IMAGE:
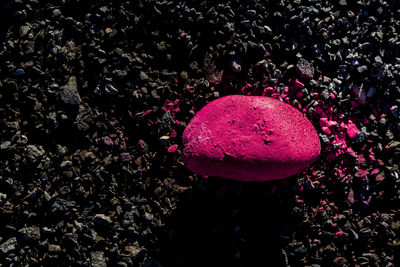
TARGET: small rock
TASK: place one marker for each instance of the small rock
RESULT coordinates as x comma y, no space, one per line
143,76
30,233
148,216
132,251
304,69
69,93
98,259
23,30
236,66
102,219
378,59
66,164
3,198
8,246
56,12
110,90
34,152
300,251
18,72
268,30
108,141
362,69
54,248
5,145
22,140
125,157
325,94
340,261
172,148
62,205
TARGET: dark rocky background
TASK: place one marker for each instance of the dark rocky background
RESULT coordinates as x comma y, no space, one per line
95,94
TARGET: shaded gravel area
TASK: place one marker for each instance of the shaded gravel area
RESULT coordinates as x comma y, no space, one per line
95,95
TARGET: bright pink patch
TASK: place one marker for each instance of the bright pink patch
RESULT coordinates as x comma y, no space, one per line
172,148
351,152
147,112
324,122
361,173
375,171
339,233
250,139
352,129
190,89
326,130
173,134
107,140
298,84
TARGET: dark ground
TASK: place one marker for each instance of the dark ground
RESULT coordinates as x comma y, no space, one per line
93,93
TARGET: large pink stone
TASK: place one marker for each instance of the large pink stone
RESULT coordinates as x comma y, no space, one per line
249,138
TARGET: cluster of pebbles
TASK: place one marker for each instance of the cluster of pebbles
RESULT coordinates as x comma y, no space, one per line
95,96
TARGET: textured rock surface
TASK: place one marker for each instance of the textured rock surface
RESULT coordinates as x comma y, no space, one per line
69,93
305,69
249,138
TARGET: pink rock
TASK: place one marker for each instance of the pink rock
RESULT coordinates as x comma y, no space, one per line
299,84
352,130
249,138
324,122
172,148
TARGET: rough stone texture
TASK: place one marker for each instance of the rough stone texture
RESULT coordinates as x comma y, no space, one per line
69,93
8,246
30,233
304,69
249,138
98,259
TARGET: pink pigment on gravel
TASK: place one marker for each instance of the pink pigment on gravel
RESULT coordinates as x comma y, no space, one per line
172,148
249,138
352,130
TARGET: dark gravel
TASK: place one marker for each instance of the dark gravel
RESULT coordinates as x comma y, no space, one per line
95,95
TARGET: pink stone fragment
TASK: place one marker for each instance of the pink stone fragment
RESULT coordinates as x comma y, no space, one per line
107,140
172,148
147,112
249,138
352,130
173,134
326,130
339,233
361,173
374,171
299,84
324,122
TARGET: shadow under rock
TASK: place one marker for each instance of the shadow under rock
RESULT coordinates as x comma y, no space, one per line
228,223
